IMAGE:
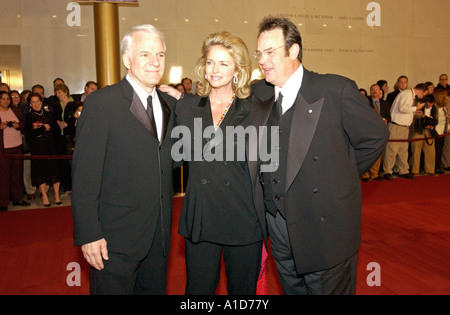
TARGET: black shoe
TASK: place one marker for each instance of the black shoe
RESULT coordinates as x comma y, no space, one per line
3,209
22,204
388,177
408,176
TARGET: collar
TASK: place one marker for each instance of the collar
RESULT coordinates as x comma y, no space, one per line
142,94
290,89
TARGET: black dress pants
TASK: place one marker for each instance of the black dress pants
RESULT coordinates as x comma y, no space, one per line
242,266
339,280
122,277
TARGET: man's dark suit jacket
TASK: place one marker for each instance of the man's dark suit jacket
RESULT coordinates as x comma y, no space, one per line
391,96
122,175
385,108
218,206
335,138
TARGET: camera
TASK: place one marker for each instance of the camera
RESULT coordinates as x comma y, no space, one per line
9,124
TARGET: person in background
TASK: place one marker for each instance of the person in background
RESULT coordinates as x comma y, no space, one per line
64,116
4,87
423,127
443,82
384,86
40,126
12,124
383,109
403,109
442,127
19,102
430,87
90,87
187,83
401,85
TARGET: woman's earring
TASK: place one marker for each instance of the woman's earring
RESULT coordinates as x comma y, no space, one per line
206,76
235,79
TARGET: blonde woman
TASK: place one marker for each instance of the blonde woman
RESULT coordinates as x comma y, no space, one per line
218,213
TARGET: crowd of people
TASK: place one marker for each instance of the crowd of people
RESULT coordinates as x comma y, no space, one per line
34,125
418,119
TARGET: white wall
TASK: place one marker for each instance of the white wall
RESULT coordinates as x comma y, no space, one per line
413,38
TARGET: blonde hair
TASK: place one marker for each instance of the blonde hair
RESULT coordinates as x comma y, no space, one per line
238,51
441,97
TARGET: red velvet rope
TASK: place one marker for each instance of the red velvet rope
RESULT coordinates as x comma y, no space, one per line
36,157
417,139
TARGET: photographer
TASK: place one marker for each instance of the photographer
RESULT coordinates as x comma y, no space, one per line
423,126
403,110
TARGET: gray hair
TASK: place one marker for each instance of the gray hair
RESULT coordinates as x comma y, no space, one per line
128,38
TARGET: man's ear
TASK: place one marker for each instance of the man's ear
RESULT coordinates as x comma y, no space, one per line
294,51
126,61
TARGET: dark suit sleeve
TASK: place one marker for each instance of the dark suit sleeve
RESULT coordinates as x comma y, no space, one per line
365,129
88,162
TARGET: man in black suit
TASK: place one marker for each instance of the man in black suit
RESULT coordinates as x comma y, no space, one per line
122,174
383,108
328,137
89,87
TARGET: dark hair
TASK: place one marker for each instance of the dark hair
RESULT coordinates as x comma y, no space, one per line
290,32
89,83
182,81
429,98
421,87
7,93
31,95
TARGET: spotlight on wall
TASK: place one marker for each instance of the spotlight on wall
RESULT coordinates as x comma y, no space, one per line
175,75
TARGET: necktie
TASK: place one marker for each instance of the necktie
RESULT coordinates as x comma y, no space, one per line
375,104
278,107
150,114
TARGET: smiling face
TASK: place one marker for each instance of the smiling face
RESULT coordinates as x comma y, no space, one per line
145,60
276,64
220,67
36,103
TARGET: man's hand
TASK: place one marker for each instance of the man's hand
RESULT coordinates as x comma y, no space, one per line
93,253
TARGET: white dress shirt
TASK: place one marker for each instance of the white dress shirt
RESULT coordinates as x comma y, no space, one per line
290,89
143,96
402,110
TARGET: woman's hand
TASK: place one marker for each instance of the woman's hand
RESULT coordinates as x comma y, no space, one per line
171,91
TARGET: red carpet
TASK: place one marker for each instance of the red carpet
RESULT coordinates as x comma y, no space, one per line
405,229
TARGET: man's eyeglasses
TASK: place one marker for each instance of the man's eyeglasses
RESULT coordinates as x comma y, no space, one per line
268,52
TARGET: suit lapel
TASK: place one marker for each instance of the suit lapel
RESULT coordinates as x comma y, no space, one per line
138,110
260,112
304,124
237,113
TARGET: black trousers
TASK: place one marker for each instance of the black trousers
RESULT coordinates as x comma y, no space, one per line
122,277
339,280
242,266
